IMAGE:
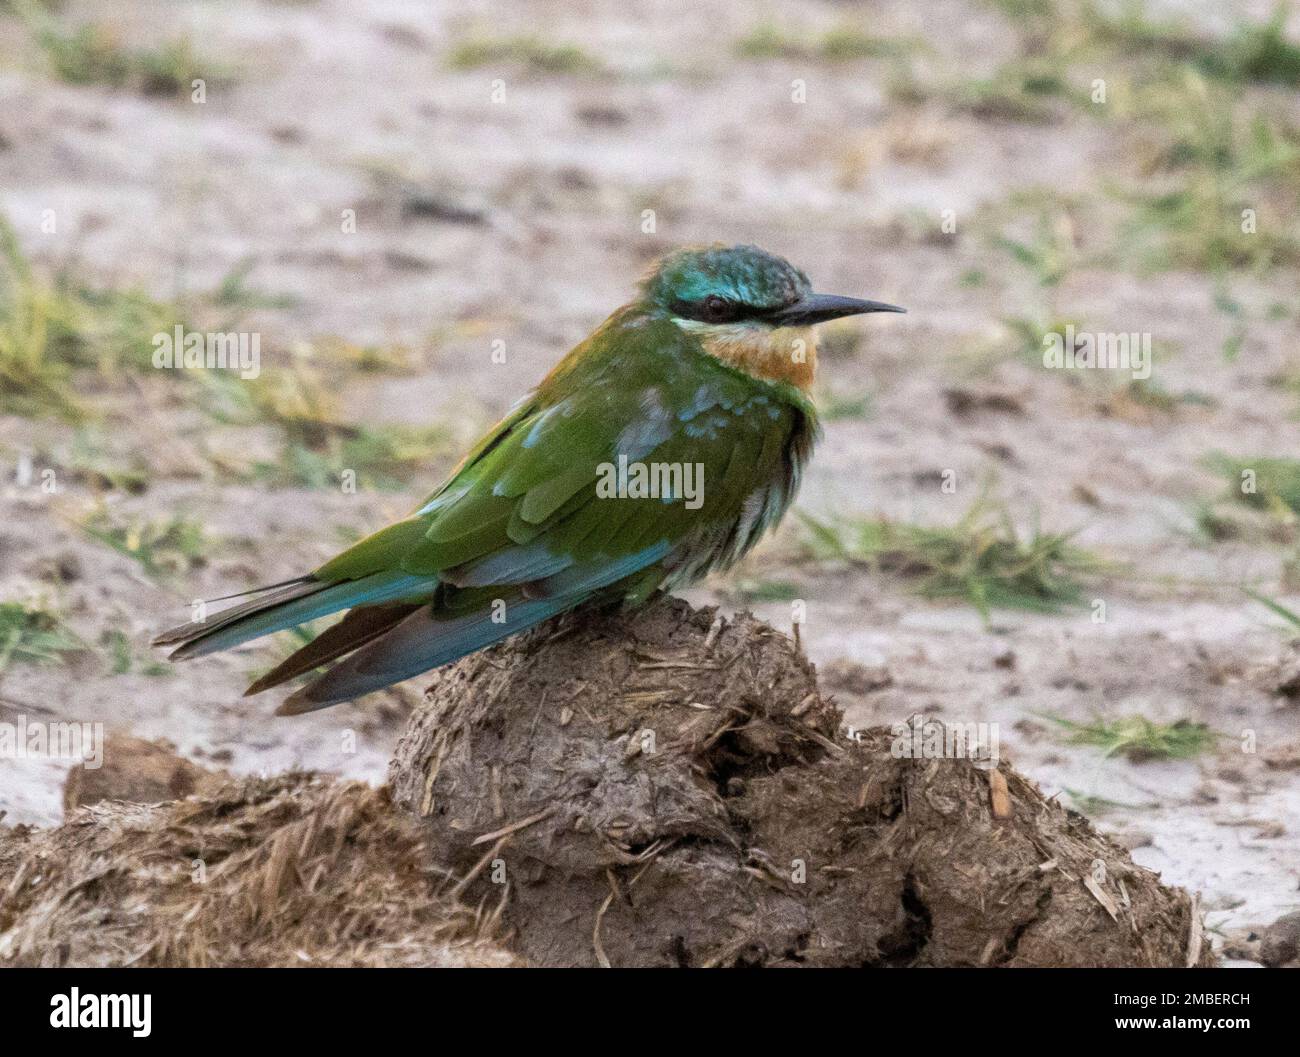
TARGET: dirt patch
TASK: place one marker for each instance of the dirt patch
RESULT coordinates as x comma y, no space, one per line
139,771
672,788
294,870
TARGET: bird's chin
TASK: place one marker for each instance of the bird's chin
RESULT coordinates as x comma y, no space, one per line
774,354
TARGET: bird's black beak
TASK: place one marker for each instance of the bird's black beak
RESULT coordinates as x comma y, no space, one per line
818,308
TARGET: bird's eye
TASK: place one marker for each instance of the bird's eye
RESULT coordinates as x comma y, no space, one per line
717,309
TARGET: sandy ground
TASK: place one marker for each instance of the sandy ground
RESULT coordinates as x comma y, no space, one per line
171,196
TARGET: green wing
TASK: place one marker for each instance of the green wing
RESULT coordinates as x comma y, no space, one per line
523,508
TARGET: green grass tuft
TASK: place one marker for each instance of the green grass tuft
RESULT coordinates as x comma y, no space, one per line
34,633
982,559
1093,805
1023,90
91,54
1269,483
846,44
1138,738
1213,160
843,44
770,42
1253,52
1260,53
533,54
234,291
318,447
167,547
124,660
836,406
1049,252
49,331
1214,526
34,377
382,457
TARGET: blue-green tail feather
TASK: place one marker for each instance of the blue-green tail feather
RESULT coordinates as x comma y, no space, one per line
302,602
428,638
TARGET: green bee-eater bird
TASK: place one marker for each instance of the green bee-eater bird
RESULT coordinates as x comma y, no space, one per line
662,447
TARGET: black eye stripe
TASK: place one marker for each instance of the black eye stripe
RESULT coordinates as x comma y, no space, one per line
706,311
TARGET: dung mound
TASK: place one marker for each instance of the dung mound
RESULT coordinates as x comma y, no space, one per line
294,870
672,788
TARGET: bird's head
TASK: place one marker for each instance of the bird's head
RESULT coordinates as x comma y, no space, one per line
749,308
